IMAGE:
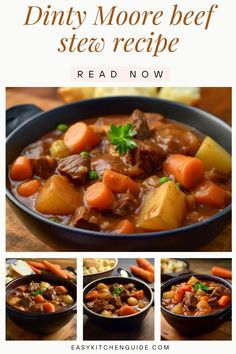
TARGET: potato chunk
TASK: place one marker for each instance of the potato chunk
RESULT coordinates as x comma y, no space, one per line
177,309
168,294
58,196
163,208
214,156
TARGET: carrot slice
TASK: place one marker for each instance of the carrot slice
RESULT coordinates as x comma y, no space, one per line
48,307
92,295
99,196
125,227
127,310
139,294
224,301
21,169
38,265
80,137
188,171
142,273
221,272
145,264
62,289
210,194
50,266
119,183
29,188
39,298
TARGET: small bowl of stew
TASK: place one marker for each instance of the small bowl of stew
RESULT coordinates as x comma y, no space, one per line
117,301
196,303
41,303
120,174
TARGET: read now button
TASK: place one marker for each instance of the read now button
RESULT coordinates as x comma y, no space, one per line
120,74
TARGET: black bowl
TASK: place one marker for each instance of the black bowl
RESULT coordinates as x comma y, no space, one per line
167,276
65,238
41,323
119,322
193,325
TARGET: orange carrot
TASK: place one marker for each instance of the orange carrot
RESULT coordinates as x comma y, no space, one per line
145,264
21,288
48,307
126,310
29,188
21,169
125,227
221,272
92,295
205,298
39,298
61,289
188,171
50,266
36,270
38,265
210,194
224,301
178,296
80,137
139,294
99,196
143,274
186,287
119,183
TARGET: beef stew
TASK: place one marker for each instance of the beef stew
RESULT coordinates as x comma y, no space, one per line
196,297
41,297
116,300
123,174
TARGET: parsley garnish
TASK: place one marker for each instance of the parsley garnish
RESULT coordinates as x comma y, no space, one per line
39,291
116,291
200,286
122,137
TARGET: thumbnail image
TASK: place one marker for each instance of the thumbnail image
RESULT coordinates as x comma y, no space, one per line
41,299
196,296
118,299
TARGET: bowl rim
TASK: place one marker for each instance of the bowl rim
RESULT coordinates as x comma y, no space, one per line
122,317
198,275
83,232
104,271
40,314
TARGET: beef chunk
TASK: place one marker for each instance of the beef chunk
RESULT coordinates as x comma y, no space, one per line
44,166
26,301
97,305
109,162
190,300
75,167
147,156
36,308
124,296
116,302
85,218
213,302
49,294
33,286
218,291
140,125
125,204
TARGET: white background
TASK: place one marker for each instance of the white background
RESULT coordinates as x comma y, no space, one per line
29,57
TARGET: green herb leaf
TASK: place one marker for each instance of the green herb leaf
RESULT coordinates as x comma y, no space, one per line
116,291
178,185
122,137
200,286
39,291
54,218
164,179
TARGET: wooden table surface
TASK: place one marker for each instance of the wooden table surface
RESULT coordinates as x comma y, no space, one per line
92,331
214,100
224,332
68,332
